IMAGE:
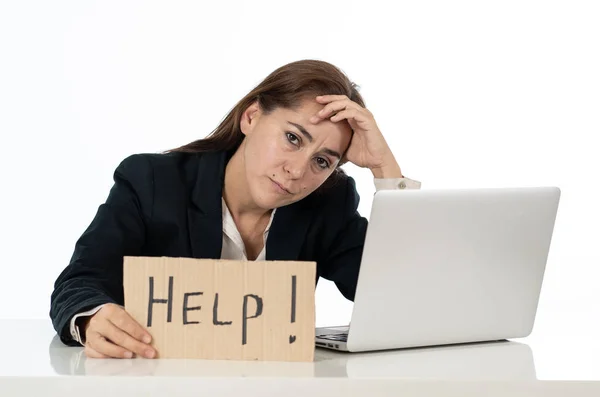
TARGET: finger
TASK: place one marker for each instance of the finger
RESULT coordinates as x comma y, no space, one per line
334,107
101,345
124,321
123,339
349,114
329,98
91,353
324,99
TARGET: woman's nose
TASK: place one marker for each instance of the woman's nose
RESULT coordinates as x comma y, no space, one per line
295,167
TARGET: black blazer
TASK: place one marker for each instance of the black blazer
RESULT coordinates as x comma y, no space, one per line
170,205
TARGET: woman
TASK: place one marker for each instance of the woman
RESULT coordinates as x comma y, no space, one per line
265,185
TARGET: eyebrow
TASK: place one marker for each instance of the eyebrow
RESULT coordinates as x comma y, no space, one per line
310,139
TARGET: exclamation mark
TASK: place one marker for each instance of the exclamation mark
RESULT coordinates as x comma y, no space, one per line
293,319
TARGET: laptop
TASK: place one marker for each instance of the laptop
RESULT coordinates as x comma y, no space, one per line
449,266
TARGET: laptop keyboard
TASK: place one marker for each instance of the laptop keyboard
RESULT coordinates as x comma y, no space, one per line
342,337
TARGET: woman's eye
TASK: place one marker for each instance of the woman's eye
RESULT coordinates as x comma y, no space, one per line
292,138
321,162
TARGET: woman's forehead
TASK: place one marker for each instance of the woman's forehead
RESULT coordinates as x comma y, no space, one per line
305,109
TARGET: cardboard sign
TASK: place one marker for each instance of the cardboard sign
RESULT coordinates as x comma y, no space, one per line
223,309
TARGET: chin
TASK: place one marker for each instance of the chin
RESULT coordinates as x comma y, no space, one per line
267,204
264,196
270,201
264,200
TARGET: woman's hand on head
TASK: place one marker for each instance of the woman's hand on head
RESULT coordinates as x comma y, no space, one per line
368,148
113,333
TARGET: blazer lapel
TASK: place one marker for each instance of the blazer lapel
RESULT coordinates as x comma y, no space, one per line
288,232
205,219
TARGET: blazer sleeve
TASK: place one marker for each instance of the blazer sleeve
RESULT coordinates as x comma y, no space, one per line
342,261
95,273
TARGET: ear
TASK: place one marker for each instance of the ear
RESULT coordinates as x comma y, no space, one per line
249,118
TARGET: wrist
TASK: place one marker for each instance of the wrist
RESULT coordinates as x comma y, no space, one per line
388,169
82,323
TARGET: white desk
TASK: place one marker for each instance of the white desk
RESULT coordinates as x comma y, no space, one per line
33,360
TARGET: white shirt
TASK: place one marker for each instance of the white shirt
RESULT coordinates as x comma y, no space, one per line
233,246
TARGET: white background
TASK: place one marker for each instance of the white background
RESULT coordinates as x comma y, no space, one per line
468,94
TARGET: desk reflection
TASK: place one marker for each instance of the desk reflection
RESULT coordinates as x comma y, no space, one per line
504,360
501,360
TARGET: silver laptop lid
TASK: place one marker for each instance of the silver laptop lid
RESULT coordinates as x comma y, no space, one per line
452,266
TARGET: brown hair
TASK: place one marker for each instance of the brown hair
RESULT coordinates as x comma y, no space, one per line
286,87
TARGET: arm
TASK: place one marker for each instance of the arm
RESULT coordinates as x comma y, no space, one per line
341,263
396,183
94,275
77,321
389,176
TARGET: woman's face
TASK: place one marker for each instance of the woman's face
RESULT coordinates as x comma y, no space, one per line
286,156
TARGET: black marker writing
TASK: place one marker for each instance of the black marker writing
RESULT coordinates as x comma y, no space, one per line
215,313
293,319
259,306
186,308
152,301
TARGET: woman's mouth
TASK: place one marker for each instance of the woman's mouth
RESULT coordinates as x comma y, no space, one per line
280,188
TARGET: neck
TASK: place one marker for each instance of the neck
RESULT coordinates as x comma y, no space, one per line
236,192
